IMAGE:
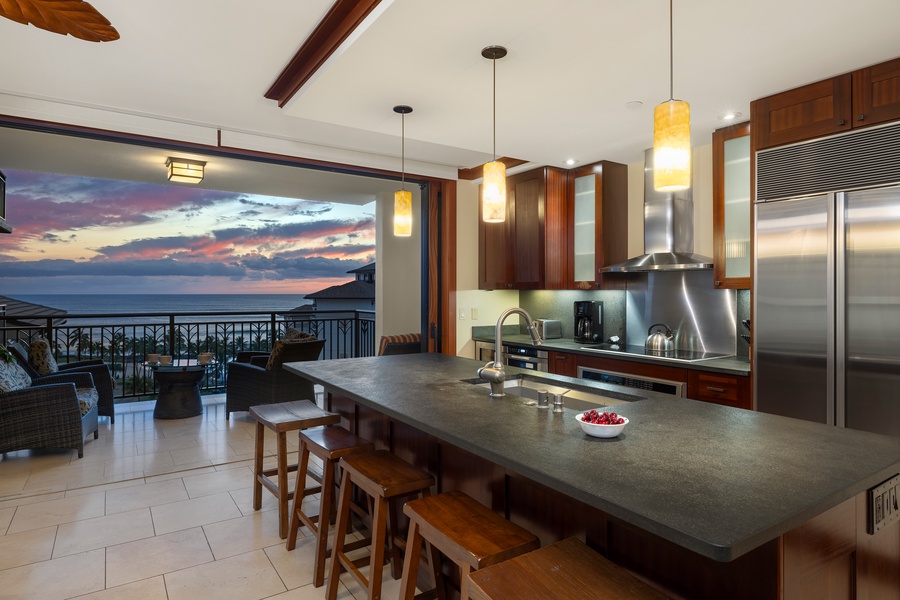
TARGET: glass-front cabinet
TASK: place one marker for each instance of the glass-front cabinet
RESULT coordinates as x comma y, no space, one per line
598,221
732,206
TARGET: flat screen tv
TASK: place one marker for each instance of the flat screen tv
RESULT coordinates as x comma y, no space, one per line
4,226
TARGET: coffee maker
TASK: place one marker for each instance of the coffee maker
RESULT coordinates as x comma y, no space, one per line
588,321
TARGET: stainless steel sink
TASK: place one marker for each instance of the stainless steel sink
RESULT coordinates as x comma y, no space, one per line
527,387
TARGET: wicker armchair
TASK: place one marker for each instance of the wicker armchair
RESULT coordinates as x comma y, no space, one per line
405,343
98,369
254,379
47,415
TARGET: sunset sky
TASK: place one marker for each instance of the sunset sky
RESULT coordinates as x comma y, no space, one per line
79,235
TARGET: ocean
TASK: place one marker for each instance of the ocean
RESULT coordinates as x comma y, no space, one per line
116,304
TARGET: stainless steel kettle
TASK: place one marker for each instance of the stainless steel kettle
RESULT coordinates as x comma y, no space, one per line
658,342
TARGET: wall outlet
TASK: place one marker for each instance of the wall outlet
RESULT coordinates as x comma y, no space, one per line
474,314
462,314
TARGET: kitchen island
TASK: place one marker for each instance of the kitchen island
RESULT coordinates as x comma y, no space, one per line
705,501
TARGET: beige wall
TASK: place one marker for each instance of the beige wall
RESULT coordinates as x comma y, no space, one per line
489,305
398,272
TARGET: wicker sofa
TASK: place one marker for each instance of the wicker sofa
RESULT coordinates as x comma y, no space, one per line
47,414
98,369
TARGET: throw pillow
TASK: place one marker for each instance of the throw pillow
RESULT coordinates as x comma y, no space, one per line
13,377
295,335
41,357
277,349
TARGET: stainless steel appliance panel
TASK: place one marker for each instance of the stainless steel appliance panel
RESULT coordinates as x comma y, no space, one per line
869,398
791,331
662,386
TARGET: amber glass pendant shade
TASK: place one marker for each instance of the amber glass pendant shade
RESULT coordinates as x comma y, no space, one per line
672,146
493,193
402,213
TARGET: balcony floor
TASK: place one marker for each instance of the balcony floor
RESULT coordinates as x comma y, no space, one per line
154,510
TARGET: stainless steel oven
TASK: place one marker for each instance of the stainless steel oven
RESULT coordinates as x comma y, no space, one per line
523,357
663,386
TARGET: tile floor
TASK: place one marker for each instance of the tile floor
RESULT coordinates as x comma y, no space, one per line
155,510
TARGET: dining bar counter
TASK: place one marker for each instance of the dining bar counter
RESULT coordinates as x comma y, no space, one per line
717,481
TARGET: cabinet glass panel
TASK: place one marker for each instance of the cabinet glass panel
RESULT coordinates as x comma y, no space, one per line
737,207
583,243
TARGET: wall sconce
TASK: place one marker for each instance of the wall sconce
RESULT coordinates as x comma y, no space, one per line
403,197
493,186
185,170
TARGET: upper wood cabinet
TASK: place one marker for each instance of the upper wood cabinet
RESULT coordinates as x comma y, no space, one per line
732,172
597,222
865,97
529,249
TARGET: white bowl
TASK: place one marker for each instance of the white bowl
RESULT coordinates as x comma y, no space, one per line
601,431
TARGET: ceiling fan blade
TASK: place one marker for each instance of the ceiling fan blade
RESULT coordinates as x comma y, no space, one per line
67,17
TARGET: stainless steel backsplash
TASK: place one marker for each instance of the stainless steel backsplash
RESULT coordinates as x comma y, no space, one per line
702,317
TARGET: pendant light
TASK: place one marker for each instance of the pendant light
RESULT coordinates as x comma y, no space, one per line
402,197
493,186
671,137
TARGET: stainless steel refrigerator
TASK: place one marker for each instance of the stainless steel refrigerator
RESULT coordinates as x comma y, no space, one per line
826,322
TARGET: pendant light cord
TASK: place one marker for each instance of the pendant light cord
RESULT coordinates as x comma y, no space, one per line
671,57
494,61
403,151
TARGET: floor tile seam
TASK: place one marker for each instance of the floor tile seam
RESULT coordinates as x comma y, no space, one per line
37,562
274,568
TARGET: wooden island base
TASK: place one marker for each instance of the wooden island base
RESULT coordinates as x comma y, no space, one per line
830,557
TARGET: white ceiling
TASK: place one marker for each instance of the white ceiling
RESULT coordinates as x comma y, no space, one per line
186,70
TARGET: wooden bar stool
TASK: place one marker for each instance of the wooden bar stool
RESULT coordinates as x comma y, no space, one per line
385,478
463,530
281,418
329,444
562,571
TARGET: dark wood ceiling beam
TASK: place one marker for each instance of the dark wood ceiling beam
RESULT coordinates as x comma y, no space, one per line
476,172
342,19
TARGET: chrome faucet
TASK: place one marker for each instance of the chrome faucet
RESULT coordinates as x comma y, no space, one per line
493,371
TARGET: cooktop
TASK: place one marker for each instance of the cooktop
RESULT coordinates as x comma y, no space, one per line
675,355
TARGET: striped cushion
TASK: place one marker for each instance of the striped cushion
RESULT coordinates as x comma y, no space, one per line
405,338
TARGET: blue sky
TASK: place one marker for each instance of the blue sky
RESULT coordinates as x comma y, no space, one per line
81,235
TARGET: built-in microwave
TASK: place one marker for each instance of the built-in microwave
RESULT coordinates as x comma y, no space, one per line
662,386
523,357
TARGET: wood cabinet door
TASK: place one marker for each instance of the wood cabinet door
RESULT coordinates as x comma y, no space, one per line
494,251
526,218
597,224
803,113
563,363
720,388
876,94
732,207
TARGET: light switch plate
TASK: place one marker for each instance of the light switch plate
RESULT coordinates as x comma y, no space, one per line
462,314
883,504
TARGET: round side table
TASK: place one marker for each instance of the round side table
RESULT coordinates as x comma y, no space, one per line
179,391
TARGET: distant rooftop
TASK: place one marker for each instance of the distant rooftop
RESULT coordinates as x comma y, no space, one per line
350,290
16,308
369,268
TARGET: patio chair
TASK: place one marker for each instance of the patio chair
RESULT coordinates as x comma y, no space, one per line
256,378
405,343
98,369
56,411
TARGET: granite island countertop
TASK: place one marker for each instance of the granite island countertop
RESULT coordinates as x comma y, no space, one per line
716,480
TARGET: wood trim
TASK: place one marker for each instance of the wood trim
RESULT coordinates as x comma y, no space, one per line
448,267
474,173
341,20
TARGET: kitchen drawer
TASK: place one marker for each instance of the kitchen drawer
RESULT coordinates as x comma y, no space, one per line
729,390
563,363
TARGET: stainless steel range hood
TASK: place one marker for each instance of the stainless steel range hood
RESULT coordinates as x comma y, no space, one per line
668,231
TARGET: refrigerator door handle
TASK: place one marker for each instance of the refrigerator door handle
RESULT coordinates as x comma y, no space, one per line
837,335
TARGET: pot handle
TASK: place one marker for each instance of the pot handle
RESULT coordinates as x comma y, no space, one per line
663,325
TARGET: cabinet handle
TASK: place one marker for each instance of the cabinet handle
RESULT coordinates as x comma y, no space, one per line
718,283
841,121
715,389
562,358
860,117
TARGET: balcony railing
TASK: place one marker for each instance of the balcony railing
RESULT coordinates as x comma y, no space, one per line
123,341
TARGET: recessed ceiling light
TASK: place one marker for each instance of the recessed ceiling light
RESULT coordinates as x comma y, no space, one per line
571,162
729,116
634,104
